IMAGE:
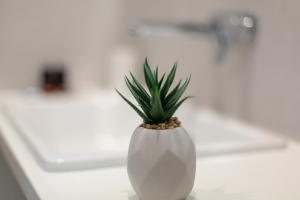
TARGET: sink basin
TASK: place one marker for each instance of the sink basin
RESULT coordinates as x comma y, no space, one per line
66,132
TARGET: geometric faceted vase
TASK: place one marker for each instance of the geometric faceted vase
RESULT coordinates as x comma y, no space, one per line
161,164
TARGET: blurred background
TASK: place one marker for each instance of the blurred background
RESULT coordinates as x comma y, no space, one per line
90,38
257,82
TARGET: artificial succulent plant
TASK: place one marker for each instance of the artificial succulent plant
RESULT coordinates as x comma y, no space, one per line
158,103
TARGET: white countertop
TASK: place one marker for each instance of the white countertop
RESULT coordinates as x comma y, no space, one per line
261,175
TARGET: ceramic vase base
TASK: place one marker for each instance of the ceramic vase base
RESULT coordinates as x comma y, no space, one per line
161,164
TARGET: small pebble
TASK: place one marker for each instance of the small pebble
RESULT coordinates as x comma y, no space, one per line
171,123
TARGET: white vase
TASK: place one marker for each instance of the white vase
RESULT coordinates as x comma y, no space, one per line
161,164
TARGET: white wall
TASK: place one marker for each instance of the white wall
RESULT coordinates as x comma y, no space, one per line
33,32
259,84
83,33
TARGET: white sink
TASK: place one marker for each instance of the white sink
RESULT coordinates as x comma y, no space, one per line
79,132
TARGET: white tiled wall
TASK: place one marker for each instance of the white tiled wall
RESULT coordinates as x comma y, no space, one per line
259,84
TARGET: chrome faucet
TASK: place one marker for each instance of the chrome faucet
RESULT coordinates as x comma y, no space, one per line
228,29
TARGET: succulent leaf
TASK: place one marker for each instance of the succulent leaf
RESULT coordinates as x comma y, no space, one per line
137,95
168,82
140,87
179,92
156,111
173,109
161,81
172,93
140,113
150,81
156,74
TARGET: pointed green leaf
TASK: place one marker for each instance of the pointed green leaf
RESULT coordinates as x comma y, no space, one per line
140,113
139,93
135,93
161,81
157,111
171,112
168,82
149,78
141,88
156,75
172,93
178,94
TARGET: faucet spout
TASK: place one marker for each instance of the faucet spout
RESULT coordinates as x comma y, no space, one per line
228,29
148,27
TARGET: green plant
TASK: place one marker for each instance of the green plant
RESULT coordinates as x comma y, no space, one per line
160,102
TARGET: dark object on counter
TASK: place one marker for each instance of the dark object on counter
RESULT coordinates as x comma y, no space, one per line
54,78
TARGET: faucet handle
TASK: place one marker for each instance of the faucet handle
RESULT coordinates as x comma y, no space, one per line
233,28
